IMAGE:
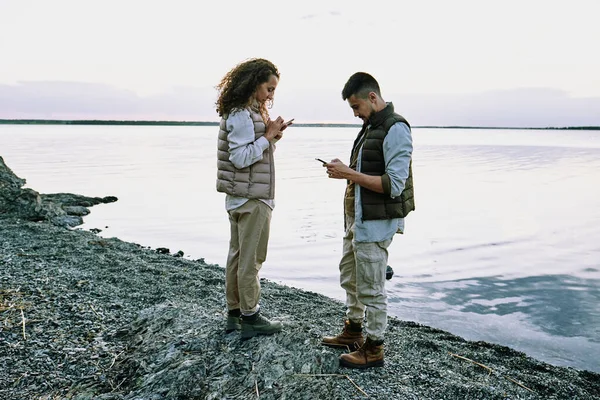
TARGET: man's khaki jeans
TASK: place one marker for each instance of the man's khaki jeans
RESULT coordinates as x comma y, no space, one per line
362,276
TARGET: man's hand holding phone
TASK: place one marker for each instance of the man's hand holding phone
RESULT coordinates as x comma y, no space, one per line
336,169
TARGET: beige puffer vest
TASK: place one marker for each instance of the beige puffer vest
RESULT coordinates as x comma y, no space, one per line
254,182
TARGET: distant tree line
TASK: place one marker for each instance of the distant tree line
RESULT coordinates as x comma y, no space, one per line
101,122
583,128
117,122
210,123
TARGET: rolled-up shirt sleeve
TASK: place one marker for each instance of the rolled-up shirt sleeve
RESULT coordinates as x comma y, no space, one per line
397,153
244,149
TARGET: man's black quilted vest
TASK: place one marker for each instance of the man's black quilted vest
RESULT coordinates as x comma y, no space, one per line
378,205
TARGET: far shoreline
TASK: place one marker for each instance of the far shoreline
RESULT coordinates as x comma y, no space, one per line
301,125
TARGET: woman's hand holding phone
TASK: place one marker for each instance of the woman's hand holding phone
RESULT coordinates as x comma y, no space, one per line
274,129
286,124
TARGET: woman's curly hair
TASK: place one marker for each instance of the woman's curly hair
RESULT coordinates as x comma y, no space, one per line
238,85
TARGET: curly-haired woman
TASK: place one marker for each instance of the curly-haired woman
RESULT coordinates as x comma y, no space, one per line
246,173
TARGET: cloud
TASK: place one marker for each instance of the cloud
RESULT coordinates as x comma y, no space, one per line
319,15
526,107
76,100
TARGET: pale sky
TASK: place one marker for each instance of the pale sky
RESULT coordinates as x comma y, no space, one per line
440,62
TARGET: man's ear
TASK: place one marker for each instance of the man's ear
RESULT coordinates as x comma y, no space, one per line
373,97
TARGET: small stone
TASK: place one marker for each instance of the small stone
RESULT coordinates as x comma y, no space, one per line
305,369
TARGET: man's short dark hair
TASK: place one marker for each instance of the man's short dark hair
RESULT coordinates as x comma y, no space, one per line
359,85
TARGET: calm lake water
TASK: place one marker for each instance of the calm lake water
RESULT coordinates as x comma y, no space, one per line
504,245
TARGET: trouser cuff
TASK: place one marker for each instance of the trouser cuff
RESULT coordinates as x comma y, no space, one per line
234,313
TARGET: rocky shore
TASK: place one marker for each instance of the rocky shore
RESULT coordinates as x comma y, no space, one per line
84,317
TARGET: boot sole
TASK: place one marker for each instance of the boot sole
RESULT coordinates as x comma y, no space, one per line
351,347
373,364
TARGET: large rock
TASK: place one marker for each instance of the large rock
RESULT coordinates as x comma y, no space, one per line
10,187
62,209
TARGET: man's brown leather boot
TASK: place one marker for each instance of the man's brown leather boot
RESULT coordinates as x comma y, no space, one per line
369,355
350,337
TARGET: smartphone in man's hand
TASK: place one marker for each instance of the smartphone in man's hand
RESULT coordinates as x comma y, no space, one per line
324,162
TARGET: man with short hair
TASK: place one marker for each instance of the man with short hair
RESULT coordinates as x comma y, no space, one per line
379,194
